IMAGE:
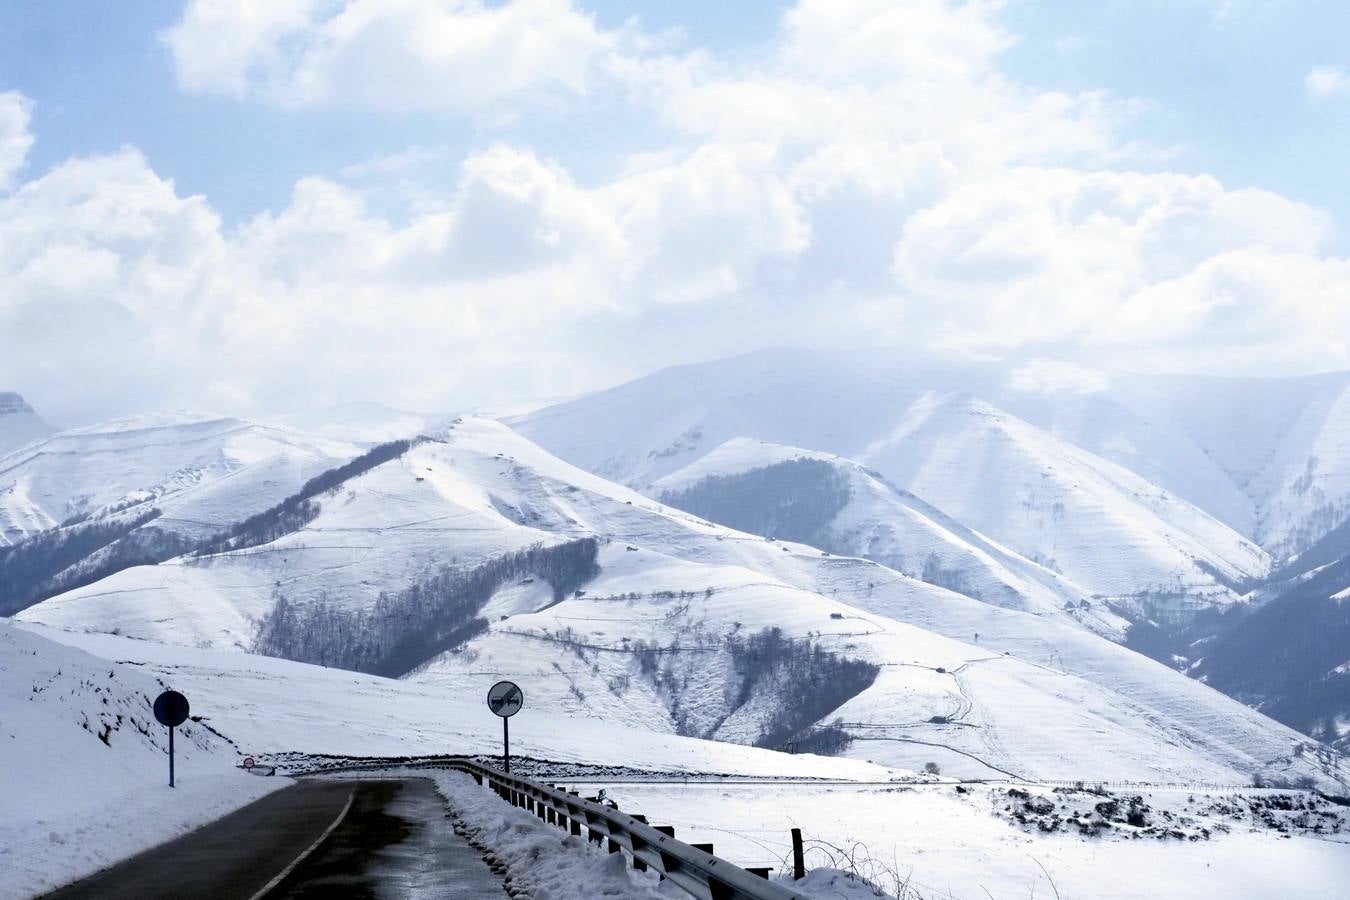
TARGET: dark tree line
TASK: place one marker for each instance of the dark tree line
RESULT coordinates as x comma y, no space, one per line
809,681
794,500
145,546
1286,656
299,509
405,629
805,680
27,569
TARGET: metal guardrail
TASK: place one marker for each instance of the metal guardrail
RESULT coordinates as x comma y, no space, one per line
697,872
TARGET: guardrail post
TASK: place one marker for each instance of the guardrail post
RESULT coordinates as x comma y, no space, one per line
576,827
638,864
706,848
668,831
798,856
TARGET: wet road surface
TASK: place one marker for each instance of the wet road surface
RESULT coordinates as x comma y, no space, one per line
395,842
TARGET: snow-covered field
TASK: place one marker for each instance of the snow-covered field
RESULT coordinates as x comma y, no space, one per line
939,839
939,843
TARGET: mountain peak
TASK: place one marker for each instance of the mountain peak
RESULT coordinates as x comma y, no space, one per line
14,404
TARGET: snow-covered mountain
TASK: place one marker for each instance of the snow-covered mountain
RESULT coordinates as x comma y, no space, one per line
1284,441
1097,523
363,422
1090,517
477,553
1269,458
1287,650
843,507
19,423
202,472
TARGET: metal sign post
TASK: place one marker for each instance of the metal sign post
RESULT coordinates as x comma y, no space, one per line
505,699
171,709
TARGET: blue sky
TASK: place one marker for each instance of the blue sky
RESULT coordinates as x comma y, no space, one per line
599,188
1224,84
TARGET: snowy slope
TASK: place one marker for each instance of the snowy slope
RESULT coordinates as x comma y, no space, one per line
1097,523
86,765
19,423
1284,441
872,518
930,833
1267,457
363,422
1066,704
483,490
203,472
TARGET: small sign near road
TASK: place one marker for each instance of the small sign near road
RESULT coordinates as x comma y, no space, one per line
171,710
248,762
505,699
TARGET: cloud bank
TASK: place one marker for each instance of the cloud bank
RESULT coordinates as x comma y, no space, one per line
872,178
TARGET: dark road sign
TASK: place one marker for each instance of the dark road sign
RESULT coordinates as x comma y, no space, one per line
171,709
505,699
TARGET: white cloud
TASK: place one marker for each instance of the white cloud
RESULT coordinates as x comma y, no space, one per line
1154,266
444,55
15,138
872,175
1327,81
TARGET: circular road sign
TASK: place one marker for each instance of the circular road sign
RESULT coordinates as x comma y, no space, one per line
171,709
248,762
505,699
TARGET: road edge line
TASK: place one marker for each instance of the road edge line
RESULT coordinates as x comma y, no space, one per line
271,885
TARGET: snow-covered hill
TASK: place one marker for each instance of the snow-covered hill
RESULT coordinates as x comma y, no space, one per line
203,472
86,765
848,509
19,423
363,422
1097,523
667,635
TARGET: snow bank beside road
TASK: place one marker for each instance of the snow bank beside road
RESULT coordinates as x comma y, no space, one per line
86,773
550,864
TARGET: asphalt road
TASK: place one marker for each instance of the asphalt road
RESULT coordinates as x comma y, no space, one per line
394,842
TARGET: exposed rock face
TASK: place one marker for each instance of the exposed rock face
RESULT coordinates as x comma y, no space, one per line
19,423
14,404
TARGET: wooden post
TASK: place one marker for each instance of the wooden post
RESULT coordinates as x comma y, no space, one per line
706,848
798,856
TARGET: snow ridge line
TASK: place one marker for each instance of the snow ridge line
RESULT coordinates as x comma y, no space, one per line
304,854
